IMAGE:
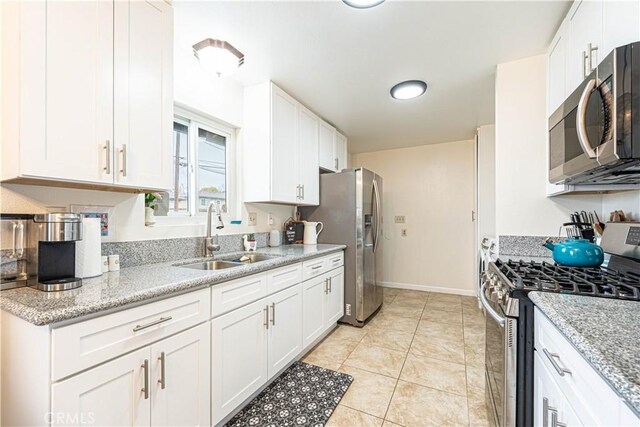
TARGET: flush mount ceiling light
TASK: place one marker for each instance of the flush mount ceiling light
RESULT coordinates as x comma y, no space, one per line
409,89
218,56
362,4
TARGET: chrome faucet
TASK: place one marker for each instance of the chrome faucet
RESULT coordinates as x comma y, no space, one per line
209,246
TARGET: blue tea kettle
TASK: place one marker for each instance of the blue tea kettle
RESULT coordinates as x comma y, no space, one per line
576,252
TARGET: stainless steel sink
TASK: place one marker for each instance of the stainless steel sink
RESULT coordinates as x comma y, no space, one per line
251,258
212,265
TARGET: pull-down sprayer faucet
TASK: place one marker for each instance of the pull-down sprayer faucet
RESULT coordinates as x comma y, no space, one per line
209,246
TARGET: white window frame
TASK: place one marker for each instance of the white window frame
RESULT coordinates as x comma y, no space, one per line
195,120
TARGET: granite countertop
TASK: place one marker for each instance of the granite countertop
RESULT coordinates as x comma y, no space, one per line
135,284
605,332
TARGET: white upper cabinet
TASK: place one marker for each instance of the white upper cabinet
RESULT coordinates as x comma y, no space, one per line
620,24
308,132
92,99
585,45
143,93
283,142
326,146
557,69
340,152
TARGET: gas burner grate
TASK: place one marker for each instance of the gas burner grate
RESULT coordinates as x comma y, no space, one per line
543,276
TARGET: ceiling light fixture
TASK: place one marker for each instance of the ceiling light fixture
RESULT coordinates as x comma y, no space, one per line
218,56
362,4
409,89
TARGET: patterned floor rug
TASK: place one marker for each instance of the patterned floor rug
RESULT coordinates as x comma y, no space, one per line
303,395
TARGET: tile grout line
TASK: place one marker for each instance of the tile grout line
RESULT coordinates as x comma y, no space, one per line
405,361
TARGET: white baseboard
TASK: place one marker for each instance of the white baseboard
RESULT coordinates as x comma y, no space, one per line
439,289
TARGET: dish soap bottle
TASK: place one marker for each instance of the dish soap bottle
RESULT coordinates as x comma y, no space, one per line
249,241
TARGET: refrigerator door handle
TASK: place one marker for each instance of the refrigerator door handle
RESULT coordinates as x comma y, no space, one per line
377,196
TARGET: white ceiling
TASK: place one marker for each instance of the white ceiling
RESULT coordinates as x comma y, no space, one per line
341,62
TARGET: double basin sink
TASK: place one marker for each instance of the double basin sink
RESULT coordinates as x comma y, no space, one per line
236,261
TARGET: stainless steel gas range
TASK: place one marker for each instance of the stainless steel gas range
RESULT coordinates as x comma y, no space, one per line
509,372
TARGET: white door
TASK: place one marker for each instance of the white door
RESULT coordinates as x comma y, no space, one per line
585,27
285,327
112,394
334,298
326,155
143,87
308,157
620,24
181,379
340,152
313,291
549,401
77,69
557,67
284,148
238,357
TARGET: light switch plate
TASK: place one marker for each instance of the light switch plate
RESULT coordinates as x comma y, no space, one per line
400,219
253,218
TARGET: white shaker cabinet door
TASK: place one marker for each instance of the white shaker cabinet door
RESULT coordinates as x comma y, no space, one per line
114,394
334,298
238,357
557,68
326,155
285,328
620,24
143,93
284,149
585,28
181,379
313,292
340,152
70,72
308,124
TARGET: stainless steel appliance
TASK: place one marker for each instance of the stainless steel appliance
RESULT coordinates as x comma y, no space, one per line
594,136
17,268
351,210
509,348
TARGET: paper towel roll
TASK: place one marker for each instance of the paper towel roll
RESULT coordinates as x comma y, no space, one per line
89,249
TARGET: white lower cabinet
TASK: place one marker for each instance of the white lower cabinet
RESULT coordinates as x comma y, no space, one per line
334,298
323,302
285,328
146,387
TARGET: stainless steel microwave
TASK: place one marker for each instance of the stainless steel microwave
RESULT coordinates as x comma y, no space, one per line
594,137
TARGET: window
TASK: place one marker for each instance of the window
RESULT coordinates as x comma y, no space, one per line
202,150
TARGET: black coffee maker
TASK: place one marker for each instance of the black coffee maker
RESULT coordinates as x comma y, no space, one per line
56,235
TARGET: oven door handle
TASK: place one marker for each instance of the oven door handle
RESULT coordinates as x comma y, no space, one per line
581,119
490,310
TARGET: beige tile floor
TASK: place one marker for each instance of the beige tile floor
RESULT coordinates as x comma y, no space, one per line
418,362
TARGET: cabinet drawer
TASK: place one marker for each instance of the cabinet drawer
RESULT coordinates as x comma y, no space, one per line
591,397
283,277
236,293
313,268
335,260
85,344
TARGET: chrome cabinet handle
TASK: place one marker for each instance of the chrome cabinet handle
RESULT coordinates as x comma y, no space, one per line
302,192
145,388
150,324
266,317
273,313
326,286
330,283
107,165
163,378
123,150
545,412
316,267
581,118
584,65
336,162
554,419
592,49
552,358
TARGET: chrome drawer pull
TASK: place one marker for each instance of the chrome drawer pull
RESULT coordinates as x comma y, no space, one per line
163,378
273,313
266,317
552,358
316,267
150,324
554,419
145,389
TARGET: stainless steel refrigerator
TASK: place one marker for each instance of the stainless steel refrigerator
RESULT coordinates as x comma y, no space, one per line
351,211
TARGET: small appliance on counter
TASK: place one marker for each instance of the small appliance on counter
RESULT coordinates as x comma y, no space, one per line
40,251
509,323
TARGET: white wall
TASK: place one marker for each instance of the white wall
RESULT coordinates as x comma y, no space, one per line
486,181
628,201
433,187
522,207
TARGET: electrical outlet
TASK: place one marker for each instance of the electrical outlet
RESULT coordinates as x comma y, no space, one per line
270,218
399,219
253,219
403,232
347,309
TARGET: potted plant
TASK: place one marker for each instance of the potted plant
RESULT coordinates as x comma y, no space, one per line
150,203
